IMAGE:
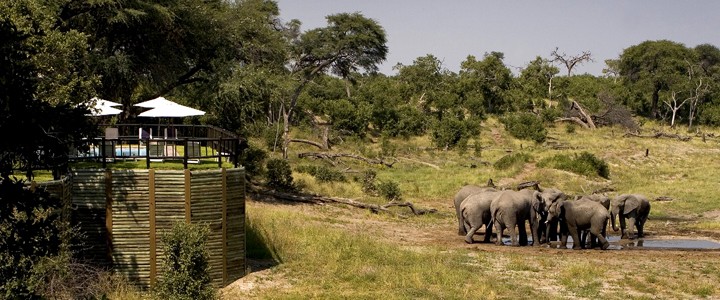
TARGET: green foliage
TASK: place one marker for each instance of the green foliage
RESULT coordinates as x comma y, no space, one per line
488,79
322,173
253,160
368,182
389,190
451,132
570,128
185,271
279,175
512,160
584,164
31,230
525,125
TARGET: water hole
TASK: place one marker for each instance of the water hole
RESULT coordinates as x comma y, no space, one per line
646,243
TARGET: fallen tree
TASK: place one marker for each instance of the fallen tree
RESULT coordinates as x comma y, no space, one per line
660,134
319,199
333,156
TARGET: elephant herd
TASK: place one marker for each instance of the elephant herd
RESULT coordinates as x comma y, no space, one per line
550,215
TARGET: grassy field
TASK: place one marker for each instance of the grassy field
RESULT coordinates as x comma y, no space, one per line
303,251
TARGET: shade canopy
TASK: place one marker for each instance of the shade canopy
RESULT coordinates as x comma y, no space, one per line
164,108
103,107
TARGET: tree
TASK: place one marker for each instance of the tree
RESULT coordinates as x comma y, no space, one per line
570,61
42,130
349,43
651,67
536,78
488,79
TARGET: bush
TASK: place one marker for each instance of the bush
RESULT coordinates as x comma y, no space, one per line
584,164
368,182
452,132
279,175
253,158
31,231
511,160
525,126
389,190
322,173
185,272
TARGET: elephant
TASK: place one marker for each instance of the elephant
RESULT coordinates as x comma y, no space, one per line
513,208
583,214
463,193
605,202
633,207
548,229
475,212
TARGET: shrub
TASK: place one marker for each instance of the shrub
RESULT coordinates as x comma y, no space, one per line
322,173
570,128
279,175
368,182
511,160
525,126
452,132
253,158
31,231
389,190
584,164
185,272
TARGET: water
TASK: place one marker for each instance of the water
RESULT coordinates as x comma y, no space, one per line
647,243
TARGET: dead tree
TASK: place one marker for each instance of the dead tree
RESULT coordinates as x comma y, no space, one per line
570,61
333,156
584,119
674,106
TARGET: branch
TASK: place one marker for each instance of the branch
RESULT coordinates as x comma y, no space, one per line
332,156
572,119
660,135
309,142
587,117
318,199
186,78
421,162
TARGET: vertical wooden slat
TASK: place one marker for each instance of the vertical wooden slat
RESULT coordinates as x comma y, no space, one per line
153,249
108,215
224,226
188,207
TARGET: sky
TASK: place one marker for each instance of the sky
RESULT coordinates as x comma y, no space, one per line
521,29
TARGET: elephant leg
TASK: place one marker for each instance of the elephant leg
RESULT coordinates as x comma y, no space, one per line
499,229
583,237
522,233
513,235
597,233
623,227
577,243
488,232
640,225
470,233
631,228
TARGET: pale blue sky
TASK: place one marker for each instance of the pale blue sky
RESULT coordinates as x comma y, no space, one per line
452,30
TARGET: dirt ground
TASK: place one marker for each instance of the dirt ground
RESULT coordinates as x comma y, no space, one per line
418,235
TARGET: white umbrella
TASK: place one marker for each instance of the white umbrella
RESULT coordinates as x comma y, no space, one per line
103,108
164,108
172,110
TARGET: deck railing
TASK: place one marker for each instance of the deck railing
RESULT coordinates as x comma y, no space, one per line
186,143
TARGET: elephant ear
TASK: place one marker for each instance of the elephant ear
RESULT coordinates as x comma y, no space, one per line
537,200
631,203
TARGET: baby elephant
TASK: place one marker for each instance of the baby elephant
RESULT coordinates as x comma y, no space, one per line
575,216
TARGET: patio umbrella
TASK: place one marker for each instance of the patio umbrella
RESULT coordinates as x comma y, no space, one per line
164,108
103,107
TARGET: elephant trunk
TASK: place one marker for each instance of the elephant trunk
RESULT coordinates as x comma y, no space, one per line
612,217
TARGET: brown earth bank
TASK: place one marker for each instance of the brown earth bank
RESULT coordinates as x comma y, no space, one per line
440,233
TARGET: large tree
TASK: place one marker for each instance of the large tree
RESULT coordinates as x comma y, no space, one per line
487,80
652,67
350,43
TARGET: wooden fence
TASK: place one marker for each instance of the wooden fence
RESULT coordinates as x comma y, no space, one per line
123,213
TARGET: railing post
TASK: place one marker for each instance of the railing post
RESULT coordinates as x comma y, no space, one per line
102,153
147,152
220,153
185,155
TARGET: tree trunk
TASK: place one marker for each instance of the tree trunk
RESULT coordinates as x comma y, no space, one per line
286,133
654,104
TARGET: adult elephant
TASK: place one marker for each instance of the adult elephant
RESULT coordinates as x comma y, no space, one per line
633,207
605,202
475,213
578,215
463,193
548,229
512,208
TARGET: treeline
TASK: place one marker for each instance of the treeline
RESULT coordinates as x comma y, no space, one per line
257,74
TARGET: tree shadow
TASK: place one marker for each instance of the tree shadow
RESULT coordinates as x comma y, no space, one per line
261,254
